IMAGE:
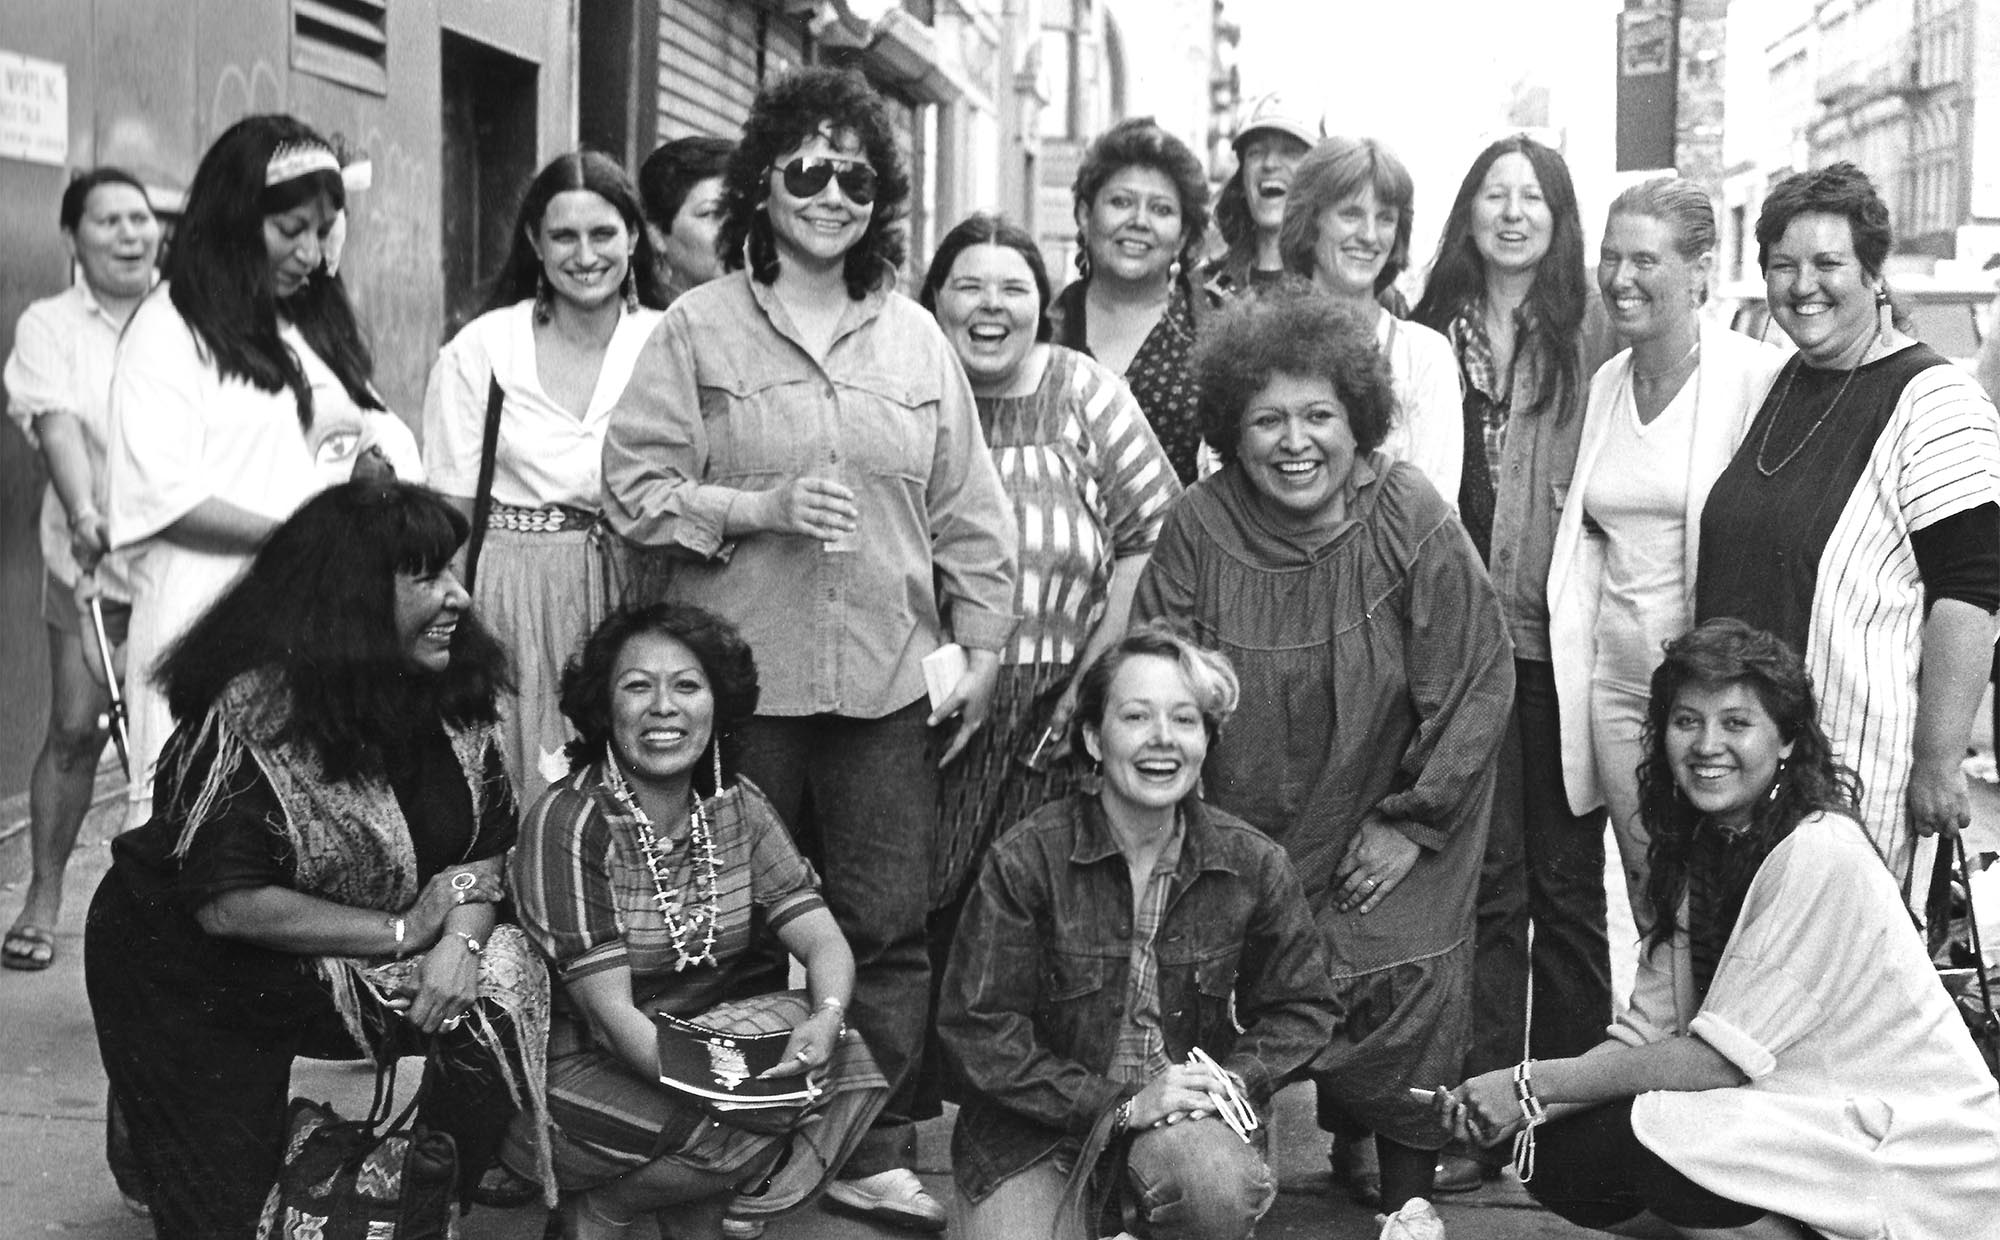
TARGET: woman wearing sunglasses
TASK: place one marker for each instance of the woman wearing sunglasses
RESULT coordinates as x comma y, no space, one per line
802,438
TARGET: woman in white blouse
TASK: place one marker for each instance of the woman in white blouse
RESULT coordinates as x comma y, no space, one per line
1664,417
243,387
578,297
1347,229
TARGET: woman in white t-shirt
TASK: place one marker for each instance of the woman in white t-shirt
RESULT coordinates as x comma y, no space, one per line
1664,417
242,388
578,297
1347,229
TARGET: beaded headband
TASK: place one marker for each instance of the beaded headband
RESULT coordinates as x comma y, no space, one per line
292,160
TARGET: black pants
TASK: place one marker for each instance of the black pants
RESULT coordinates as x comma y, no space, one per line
1592,1170
1545,865
203,1086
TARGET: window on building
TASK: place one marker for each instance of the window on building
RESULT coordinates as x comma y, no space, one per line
345,41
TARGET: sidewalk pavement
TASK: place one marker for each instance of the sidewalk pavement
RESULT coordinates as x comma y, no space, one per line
53,1181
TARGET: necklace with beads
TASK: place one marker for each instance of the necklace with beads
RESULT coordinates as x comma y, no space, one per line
1764,444
700,922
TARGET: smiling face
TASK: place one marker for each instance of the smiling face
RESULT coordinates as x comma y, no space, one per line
989,308
1268,158
295,241
1356,237
1133,227
662,708
116,241
1152,741
428,606
585,248
1647,286
1512,225
817,232
1819,292
1723,748
689,249
1295,446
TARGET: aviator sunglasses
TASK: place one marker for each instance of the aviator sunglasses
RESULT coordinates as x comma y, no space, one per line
807,175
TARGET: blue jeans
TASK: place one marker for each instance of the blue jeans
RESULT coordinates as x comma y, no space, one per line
1545,865
1196,1180
860,798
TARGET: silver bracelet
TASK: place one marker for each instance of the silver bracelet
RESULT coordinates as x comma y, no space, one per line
401,929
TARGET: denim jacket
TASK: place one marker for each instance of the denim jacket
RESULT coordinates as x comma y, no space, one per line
1035,992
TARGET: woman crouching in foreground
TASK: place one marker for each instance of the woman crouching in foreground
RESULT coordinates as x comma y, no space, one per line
1789,1060
652,888
321,870
1110,936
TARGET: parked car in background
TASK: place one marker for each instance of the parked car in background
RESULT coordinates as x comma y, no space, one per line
1950,314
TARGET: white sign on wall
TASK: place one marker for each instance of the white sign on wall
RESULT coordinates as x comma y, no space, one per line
34,110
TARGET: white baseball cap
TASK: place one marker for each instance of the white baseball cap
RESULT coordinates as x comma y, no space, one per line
1274,111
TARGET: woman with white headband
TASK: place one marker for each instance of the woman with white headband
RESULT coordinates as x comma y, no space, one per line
243,387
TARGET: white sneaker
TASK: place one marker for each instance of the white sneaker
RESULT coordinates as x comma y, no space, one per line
1415,1221
896,1197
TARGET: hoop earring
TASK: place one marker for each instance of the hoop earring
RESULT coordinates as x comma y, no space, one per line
629,288
545,295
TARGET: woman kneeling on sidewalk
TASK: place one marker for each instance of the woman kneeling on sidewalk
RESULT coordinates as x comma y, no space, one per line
1115,945
1789,1066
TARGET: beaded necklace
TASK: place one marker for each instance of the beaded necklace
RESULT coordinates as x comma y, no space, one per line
666,895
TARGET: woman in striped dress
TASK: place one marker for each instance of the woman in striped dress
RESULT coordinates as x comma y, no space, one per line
1858,520
1089,483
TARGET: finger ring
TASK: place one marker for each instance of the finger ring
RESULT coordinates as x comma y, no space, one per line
802,1057
458,897
450,1023
1373,884
464,880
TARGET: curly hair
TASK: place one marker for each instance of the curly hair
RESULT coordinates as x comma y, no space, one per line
1331,173
1140,142
219,271
599,174
585,695
1556,302
839,105
318,608
1726,651
672,171
1208,674
1838,189
985,228
1291,330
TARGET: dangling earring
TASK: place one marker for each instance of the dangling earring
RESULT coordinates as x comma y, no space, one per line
1885,316
545,296
715,749
1777,782
630,289
1174,272
1082,255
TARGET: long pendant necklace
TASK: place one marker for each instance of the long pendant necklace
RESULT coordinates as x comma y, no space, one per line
667,896
1764,444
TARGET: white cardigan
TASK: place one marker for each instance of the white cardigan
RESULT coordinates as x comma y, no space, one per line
1730,383
1869,1114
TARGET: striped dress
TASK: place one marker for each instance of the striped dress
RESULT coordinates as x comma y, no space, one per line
1089,484
1819,550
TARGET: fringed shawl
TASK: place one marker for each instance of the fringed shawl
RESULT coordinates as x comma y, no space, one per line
352,846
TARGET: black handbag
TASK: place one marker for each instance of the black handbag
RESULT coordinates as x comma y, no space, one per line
362,1179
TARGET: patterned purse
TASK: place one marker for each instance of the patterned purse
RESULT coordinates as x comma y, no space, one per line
359,1180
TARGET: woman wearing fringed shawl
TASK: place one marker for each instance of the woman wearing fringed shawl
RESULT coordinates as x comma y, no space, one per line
321,870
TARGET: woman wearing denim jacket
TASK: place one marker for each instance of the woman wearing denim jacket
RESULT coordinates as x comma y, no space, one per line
1181,928
802,439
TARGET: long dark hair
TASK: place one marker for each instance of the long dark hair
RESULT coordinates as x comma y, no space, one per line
1727,651
837,102
724,656
585,170
1556,301
317,610
219,271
